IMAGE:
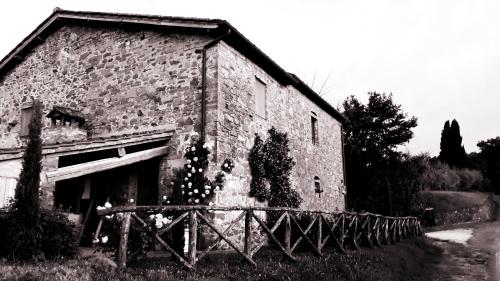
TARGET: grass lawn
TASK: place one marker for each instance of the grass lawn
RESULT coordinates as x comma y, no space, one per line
413,259
452,200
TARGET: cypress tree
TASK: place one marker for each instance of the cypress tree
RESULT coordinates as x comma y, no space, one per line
444,154
457,151
452,151
26,206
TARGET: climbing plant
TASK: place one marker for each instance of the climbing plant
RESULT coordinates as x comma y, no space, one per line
271,168
195,188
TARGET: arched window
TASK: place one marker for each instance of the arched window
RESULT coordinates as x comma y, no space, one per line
317,186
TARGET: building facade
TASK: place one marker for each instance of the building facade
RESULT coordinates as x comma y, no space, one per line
122,93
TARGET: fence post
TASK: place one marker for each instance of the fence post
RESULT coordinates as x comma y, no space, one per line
122,250
288,233
248,233
193,236
319,239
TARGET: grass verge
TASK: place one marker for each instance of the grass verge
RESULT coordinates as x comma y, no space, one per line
410,260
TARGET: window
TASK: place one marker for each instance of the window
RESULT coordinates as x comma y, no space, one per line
7,190
314,128
26,114
260,98
317,186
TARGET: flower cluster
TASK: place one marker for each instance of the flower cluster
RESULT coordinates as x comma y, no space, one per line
227,166
103,239
195,187
107,205
159,220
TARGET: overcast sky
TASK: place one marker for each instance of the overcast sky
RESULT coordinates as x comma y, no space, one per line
439,58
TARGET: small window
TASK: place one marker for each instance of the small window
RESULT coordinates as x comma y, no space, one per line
260,98
314,128
26,115
7,190
317,186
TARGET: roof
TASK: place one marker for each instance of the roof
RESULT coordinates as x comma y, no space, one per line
64,111
93,144
211,26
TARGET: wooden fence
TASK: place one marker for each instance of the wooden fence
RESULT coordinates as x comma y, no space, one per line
341,230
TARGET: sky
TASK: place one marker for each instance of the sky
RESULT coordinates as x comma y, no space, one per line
439,59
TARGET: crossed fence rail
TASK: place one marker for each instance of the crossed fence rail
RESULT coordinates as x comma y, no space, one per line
338,229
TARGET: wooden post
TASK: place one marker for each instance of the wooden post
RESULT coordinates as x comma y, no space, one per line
319,239
193,236
248,233
288,234
122,250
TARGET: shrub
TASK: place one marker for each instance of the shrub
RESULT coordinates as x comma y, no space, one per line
55,234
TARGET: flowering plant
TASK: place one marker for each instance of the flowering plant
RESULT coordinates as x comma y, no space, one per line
195,187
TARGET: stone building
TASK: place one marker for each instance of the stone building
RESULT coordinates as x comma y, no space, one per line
122,93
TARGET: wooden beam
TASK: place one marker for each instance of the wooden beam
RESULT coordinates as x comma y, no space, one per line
104,164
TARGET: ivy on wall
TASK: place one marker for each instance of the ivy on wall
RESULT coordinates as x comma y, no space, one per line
271,167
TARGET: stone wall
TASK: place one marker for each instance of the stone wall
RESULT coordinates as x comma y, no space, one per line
484,211
289,111
121,80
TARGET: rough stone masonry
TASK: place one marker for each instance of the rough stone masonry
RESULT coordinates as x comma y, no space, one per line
132,78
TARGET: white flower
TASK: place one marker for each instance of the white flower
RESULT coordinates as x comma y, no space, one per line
159,216
109,217
205,145
189,200
107,205
159,224
190,184
131,200
195,190
183,192
95,241
190,193
168,201
186,179
200,170
196,201
225,165
207,191
193,148
164,197
182,186
217,188
189,161
210,203
172,183
193,170
207,187
189,175
189,166
100,208
104,239
195,159
203,195
151,217
165,221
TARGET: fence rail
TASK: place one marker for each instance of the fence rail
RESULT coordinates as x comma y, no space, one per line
341,230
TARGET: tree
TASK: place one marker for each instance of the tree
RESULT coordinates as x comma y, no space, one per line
372,138
444,154
490,152
452,151
26,206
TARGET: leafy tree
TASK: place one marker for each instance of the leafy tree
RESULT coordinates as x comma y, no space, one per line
452,151
490,152
372,138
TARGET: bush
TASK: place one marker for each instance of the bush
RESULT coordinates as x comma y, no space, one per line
55,234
